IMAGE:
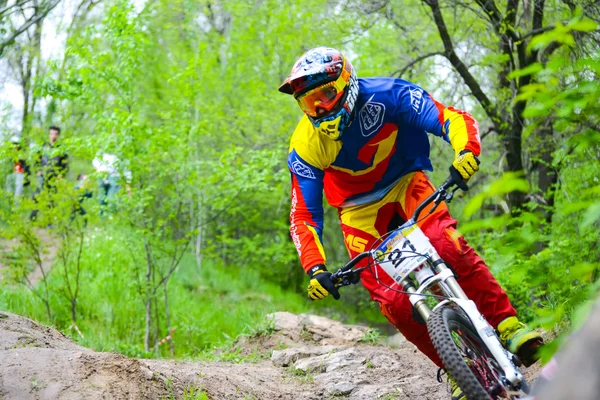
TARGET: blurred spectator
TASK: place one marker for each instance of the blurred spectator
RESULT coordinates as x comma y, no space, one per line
82,186
52,165
18,178
111,171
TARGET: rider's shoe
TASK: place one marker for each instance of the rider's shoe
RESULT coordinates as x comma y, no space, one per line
520,340
455,391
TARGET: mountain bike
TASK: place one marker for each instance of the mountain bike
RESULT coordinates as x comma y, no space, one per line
466,343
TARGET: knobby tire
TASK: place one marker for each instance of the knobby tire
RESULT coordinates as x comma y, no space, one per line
456,366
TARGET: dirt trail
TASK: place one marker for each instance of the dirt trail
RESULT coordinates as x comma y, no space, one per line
305,357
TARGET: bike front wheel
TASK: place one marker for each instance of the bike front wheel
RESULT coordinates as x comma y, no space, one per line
466,357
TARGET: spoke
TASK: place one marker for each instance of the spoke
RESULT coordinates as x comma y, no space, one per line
481,364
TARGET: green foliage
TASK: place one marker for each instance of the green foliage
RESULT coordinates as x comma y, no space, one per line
189,393
550,265
508,183
562,33
301,375
209,308
185,93
263,328
194,394
373,336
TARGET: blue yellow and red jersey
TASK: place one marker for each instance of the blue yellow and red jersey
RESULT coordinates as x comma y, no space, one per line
386,140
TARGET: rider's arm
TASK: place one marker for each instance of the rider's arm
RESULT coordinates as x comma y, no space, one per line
306,216
419,109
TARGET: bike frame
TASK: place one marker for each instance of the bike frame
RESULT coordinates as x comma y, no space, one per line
445,280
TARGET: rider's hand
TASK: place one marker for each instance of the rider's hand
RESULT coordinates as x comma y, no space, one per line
320,283
466,164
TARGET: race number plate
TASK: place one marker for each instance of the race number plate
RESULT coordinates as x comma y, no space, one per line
403,252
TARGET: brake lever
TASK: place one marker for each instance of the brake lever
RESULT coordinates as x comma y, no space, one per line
340,282
347,278
450,195
343,281
337,282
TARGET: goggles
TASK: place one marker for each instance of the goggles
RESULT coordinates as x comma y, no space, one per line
325,96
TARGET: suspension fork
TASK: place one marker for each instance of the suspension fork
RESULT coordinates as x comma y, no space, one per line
483,328
444,278
448,278
417,300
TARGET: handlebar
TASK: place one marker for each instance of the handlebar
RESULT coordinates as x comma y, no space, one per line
350,264
436,196
346,276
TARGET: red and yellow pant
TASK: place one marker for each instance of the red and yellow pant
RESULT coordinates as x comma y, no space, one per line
363,224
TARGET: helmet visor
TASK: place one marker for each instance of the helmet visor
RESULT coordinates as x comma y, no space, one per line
324,97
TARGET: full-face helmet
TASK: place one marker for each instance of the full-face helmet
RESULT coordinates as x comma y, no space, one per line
324,84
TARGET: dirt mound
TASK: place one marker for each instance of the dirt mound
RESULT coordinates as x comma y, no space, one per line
38,362
306,357
19,332
290,330
302,357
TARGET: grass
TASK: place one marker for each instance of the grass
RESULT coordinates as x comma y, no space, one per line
233,354
302,376
194,394
189,393
210,306
373,337
264,327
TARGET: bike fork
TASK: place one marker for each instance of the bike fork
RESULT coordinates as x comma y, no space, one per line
483,328
445,278
491,341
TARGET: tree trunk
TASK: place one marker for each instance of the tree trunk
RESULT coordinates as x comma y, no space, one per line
29,72
74,309
548,175
198,244
148,329
156,328
148,323
25,116
168,319
511,141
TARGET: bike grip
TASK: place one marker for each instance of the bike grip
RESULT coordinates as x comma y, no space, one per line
457,179
448,183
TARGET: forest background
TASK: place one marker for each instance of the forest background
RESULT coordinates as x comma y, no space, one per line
186,92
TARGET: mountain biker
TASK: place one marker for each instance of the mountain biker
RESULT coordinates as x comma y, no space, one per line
364,142
18,177
52,165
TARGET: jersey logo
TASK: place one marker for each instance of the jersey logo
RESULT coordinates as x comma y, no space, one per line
416,99
376,151
294,229
302,169
371,117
